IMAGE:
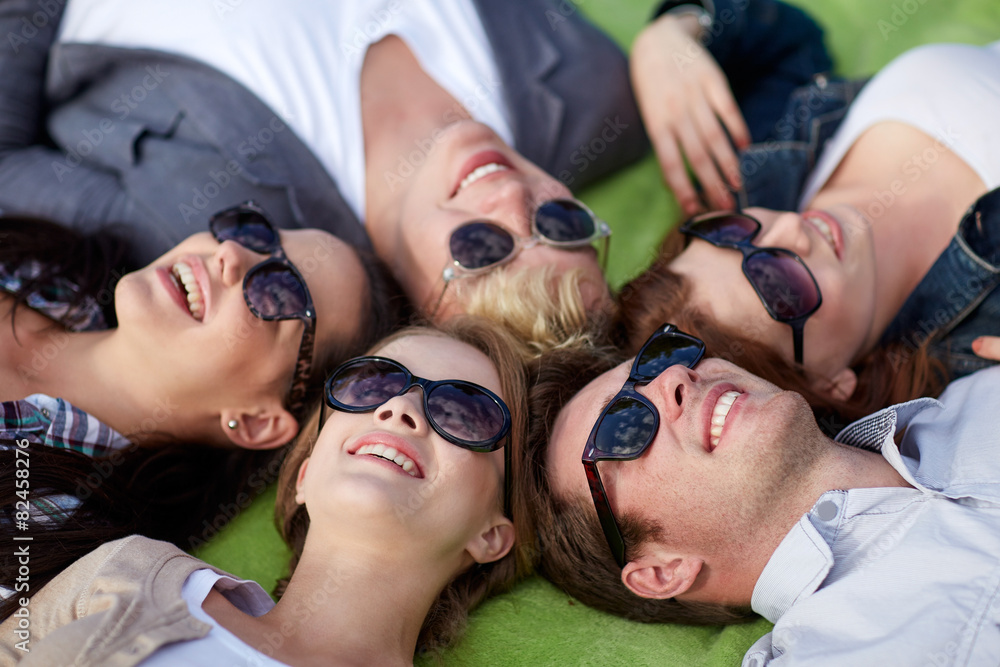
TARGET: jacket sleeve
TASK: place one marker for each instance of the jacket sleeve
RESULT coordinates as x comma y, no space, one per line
767,49
35,178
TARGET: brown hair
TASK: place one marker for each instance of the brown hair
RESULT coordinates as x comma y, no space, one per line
571,549
886,375
446,619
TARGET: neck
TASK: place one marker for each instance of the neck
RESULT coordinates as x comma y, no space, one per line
402,110
841,467
89,369
360,605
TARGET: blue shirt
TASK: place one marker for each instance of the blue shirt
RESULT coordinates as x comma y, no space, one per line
898,576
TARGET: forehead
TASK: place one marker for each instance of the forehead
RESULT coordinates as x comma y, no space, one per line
443,358
572,428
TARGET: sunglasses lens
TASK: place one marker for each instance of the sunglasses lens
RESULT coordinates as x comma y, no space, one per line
275,291
248,228
626,429
667,350
367,384
725,228
564,221
465,412
786,287
476,245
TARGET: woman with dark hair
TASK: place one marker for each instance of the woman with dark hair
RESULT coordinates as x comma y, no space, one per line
862,261
217,349
395,514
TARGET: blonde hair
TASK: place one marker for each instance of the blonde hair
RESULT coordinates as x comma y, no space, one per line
544,311
446,619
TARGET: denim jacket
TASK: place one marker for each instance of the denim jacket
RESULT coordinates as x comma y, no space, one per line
774,57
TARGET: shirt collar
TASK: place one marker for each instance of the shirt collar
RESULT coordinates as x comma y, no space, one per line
795,570
803,559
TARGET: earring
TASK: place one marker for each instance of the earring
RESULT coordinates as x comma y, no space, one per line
233,424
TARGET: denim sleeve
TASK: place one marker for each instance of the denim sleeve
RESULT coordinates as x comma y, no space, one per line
37,179
767,49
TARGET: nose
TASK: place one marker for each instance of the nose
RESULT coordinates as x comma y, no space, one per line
786,231
233,261
512,204
676,387
403,414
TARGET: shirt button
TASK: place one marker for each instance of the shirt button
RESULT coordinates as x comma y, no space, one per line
827,510
821,81
45,413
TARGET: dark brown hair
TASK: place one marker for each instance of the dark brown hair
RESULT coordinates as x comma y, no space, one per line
447,617
886,375
571,549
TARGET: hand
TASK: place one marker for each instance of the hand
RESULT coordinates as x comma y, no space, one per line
685,99
987,347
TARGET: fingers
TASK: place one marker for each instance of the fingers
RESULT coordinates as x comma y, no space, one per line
987,347
720,96
696,145
675,172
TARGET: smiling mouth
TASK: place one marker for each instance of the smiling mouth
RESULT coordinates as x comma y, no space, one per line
184,278
719,414
392,455
823,223
480,172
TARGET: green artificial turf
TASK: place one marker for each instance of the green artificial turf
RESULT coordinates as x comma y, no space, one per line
536,624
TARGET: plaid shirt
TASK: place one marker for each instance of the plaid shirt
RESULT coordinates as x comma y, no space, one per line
43,420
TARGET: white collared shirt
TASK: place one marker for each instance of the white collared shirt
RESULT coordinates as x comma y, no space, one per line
898,576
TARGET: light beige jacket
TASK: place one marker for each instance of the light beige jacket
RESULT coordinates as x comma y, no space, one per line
112,608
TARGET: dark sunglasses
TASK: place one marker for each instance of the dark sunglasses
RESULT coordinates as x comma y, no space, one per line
627,426
480,245
784,283
463,413
273,289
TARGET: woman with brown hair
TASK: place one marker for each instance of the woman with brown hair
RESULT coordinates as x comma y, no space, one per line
861,264
395,513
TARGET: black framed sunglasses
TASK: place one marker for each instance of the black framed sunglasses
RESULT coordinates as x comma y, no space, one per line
627,426
463,413
783,282
481,245
273,288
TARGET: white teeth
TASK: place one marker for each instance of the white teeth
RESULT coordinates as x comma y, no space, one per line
823,227
719,414
478,173
390,454
185,277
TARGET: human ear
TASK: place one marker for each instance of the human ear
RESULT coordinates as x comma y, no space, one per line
661,576
300,494
493,543
840,387
266,428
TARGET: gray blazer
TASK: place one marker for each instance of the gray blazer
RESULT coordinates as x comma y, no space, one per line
156,143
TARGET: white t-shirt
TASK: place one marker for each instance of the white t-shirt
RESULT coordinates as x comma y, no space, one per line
219,647
950,92
309,71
